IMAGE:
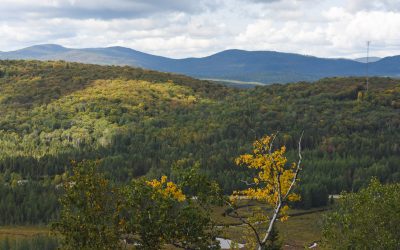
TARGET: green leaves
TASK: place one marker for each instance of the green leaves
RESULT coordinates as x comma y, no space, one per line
157,220
89,216
197,184
98,215
369,219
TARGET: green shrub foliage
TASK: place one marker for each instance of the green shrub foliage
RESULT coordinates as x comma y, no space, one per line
369,219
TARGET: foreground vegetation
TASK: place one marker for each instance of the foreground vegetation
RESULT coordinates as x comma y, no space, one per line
369,219
98,214
356,221
302,229
148,214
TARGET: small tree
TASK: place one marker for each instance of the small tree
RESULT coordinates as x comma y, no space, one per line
145,214
272,185
274,243
89,216
369,219
157,212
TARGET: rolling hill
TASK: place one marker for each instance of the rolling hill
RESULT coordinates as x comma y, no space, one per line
236,65
139,122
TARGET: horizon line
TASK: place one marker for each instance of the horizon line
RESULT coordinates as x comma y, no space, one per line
189,57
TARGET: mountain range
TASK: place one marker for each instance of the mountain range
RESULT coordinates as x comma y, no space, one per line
230,65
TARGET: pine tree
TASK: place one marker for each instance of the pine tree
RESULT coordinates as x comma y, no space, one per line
274,243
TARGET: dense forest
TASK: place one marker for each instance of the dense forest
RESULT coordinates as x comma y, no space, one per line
140,122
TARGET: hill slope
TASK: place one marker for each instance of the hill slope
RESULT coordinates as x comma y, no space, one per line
139,122
238,65
143,122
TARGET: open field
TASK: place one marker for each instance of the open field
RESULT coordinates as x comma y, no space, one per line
303,228
27,238
13,232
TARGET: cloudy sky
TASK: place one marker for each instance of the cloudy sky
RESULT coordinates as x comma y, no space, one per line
185,28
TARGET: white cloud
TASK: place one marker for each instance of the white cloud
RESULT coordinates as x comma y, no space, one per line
383,5
102,9
200,27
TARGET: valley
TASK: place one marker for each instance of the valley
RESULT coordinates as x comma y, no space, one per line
139,123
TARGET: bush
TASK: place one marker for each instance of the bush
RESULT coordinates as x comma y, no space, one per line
369,219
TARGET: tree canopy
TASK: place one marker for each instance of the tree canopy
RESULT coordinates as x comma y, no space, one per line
368,219
144,214
140,123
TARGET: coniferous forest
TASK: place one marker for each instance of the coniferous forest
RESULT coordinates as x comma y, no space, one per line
142,123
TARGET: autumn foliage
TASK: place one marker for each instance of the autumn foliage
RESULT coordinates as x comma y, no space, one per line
273,185
167,189
273,172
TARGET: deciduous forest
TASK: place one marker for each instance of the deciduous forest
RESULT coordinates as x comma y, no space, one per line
137,122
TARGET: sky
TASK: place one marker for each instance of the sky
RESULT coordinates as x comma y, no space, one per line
196,28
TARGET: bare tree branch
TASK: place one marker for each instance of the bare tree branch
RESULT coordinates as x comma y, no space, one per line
271,145
298,168
245,222
248,183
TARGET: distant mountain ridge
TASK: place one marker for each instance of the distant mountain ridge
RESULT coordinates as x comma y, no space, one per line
238,65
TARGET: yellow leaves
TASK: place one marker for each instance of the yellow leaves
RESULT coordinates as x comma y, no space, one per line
235,197
156,183
294,197
167,189
256,181
244,159
274,177
284,216
173,191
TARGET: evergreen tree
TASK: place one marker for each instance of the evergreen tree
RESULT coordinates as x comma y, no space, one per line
274,242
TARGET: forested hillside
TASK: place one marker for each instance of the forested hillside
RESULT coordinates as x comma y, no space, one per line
142,122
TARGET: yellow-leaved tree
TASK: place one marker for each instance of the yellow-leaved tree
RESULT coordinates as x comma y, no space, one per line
273,184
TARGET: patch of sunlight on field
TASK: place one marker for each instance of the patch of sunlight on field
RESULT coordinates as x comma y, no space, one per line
23,231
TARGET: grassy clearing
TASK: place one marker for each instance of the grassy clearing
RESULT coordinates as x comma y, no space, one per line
27,238
13,232
301,231
296,233
303,228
